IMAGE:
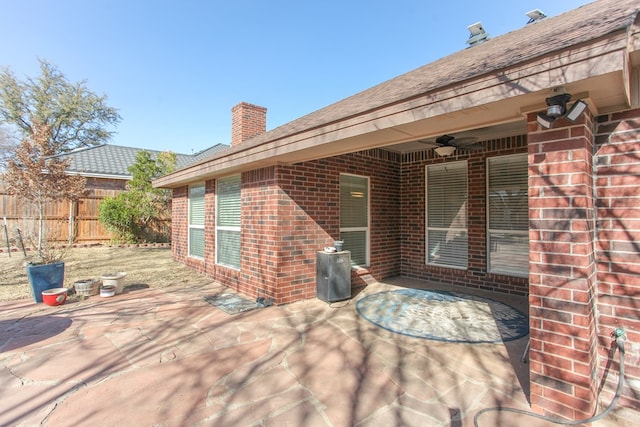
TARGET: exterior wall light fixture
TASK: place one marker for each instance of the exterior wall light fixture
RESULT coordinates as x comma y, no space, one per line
557,108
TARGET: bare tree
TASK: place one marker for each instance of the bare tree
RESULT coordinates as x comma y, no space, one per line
51,116
39,178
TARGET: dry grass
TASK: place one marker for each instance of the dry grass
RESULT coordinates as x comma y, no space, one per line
145,267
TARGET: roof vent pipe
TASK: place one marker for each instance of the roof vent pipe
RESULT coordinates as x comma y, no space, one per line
478,34
535,15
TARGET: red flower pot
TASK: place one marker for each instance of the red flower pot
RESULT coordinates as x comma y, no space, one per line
55,296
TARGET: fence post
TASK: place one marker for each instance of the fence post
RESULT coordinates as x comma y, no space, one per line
6,235
21,242
71,221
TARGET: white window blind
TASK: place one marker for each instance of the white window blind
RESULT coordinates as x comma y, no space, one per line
446,195
508,234
228,221
354,217
196,220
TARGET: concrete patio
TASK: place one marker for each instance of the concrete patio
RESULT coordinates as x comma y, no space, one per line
152,357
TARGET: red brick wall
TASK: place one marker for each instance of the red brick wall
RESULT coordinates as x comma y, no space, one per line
309,217
584,264
618,249
386,233
413,219
260,243
562,269
306,218
291,212
180,222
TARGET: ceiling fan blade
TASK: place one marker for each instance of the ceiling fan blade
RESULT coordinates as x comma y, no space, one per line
428,144
464,141
471,147
444,139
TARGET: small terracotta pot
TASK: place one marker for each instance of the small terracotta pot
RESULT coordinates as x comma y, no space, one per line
55,296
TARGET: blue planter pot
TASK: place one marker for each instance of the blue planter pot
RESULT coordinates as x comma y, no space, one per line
45,276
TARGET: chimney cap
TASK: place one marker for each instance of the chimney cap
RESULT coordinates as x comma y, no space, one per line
243,104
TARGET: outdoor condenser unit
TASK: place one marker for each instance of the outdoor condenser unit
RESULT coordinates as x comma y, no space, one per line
333,276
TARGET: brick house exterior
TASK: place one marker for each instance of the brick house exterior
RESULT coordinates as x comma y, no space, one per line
583,277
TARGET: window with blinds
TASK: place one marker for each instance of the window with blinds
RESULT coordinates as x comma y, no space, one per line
196,221
228,221
508,211
354,217
446,215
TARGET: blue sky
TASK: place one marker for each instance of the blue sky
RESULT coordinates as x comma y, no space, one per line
174,69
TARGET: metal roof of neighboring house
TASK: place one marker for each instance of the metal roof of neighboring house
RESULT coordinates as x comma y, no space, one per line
207,153
113,161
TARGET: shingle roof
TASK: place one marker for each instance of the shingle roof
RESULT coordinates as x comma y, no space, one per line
585,23
318,133
114,160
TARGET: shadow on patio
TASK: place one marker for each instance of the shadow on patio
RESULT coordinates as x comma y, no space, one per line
167,357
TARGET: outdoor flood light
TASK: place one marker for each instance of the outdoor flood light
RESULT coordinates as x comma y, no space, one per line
576,110
557,107
555,110
544,120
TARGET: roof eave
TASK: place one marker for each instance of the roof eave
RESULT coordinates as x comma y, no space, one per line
99,175
459,107
592,65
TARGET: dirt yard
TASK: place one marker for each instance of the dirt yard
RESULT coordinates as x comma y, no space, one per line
145,267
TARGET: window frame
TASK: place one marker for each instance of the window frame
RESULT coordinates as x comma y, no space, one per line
524,272
190,225
463,166
227,228
367,228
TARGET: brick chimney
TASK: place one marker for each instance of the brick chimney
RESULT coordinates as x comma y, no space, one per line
247,121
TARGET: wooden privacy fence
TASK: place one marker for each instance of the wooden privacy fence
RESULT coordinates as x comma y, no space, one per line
64,221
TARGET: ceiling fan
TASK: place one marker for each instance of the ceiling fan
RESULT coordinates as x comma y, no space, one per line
445,145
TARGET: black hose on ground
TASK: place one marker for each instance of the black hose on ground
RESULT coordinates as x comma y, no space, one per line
619,333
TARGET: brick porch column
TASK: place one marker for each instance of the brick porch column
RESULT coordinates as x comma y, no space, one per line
562,268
